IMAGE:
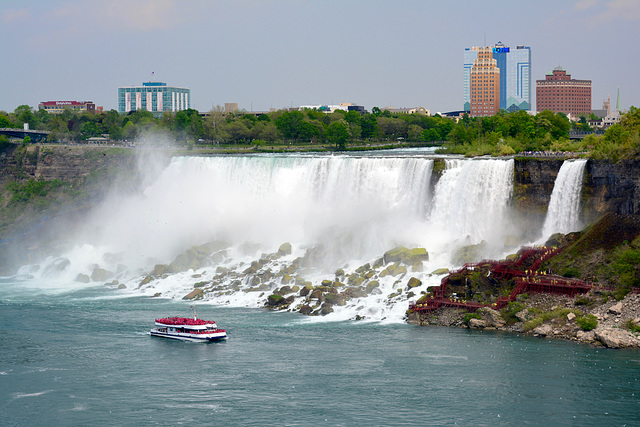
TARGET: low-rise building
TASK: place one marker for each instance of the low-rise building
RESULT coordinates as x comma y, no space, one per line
57,107
410,110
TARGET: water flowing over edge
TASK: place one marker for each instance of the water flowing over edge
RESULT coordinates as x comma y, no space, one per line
340,214
564,206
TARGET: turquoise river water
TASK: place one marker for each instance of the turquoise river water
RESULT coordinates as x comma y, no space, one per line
83,357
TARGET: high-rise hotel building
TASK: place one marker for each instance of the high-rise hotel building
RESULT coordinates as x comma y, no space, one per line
559,93
515,76
484,82
153,96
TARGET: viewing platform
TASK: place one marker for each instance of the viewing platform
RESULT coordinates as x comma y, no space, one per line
527,280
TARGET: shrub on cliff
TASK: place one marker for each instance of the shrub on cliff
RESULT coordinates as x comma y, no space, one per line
588,322
509,312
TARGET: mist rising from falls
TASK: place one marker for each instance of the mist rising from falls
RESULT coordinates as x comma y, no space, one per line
355,208
564,206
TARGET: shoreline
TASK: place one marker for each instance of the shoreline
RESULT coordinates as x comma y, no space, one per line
613,318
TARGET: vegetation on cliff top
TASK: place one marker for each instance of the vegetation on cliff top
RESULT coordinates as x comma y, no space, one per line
506,133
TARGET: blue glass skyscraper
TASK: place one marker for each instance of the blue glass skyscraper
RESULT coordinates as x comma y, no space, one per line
515,76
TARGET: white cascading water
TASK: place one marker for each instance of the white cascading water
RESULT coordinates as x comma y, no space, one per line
563,214
470,203
355,207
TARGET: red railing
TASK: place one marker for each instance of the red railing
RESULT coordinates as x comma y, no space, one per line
528,280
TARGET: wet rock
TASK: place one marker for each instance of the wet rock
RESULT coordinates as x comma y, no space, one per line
371,286
194,294
406,256
284,290
316,294
274,300
59,264
326,309
306,310
100,275
363,268
414,283
440,271
339,272
284,249
470,253
83,278
122,286
395,255
159,270
335,299
304,291
356,280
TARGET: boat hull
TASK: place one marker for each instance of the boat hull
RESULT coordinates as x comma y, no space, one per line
221,336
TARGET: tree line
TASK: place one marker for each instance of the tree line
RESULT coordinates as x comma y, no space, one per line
503,133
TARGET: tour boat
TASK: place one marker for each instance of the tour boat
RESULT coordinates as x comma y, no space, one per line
187,329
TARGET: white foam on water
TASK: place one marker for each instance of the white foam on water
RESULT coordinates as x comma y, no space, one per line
354,208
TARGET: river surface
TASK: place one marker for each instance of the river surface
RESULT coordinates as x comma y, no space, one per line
83,357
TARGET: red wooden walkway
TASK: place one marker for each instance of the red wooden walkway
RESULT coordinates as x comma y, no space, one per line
529,280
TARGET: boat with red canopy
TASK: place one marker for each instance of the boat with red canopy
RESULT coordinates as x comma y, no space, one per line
187,329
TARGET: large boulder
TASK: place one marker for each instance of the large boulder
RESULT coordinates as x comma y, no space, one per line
101,275
83,278
194,294
616,308
395,255
492,317
405,255
284,249
616,338
543,330
470,253
477,323
413,283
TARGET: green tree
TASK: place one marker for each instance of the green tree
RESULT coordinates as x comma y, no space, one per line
369,126
290,124
337,133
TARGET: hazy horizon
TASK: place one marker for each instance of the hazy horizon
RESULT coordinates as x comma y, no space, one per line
287,53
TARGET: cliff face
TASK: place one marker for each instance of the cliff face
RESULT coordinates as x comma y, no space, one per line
607,187
533,183
611,187
69,164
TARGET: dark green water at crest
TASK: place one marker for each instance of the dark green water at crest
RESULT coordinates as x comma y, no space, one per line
82,358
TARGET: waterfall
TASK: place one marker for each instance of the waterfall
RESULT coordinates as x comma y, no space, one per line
470,202
564,206
353,207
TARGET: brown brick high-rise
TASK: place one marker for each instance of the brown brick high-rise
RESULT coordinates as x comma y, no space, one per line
485,84
559,93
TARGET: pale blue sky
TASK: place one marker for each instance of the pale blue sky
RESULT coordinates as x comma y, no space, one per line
281,53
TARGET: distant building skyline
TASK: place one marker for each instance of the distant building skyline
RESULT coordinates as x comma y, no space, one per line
559,93
58,107
515,76
155,97
484,81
